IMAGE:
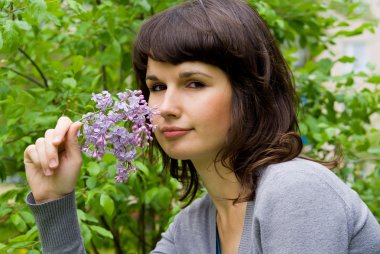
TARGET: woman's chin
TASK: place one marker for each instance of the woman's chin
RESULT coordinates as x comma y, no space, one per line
177,156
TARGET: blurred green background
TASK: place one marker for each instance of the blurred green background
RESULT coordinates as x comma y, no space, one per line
54,54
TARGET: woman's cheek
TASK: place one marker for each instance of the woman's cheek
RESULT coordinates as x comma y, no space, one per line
155,120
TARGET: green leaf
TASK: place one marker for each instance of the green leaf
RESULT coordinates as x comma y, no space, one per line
18,222
107,203
23,25
375,79
76,7
347,59
86,233
19,245
38,10
356,31
77,63
14,110
28,217
374,150
142,167
33,232
112,53
312,124
101,231
325,65
33,252
5,211
2,246
53,19
163,197
94,82
150,195
10,34
69,82
91,182
20,238
343,24
144,4
93,168
8,195
82,216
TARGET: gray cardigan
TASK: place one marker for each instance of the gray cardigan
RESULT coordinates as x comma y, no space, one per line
300,207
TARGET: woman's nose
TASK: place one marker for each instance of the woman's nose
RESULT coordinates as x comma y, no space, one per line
170,105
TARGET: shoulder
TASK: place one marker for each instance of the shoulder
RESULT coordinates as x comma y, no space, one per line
302,185
299,180
299,175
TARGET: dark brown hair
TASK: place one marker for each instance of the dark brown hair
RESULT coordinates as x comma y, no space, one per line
232,36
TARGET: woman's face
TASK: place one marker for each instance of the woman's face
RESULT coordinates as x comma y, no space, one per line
194,100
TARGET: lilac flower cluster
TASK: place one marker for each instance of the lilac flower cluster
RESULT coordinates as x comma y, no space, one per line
120,126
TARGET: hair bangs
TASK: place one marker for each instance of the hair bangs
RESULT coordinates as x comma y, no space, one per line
176,36
179,40
179,37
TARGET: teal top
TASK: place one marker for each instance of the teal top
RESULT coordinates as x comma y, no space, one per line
217,242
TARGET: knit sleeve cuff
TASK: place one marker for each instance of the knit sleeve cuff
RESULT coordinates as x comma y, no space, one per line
57,223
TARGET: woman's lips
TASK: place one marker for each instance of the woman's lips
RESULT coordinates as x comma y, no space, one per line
174,132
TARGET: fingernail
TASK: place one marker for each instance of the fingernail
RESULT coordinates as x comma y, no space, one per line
57,139
53,163
48,172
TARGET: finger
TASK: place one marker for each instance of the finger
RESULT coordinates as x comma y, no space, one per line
40,147
51,150
72,147
32,162
31,156
63,125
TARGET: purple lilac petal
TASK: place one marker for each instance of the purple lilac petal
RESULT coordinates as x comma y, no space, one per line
119,127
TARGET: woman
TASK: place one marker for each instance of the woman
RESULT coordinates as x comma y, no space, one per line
228,120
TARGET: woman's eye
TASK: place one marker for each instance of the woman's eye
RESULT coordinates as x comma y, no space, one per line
157,87
195,84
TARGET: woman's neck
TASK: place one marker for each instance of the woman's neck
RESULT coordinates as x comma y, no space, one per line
222,186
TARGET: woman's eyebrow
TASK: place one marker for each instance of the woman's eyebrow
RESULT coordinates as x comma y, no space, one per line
151,77
191,73
185,74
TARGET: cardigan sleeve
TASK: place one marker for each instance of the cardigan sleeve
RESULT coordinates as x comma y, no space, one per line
59,231
58,225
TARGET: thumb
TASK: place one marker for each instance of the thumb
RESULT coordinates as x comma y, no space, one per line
72,147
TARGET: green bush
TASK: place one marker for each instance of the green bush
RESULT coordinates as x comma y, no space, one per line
53,55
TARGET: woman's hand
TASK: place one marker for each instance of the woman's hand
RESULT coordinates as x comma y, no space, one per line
53,163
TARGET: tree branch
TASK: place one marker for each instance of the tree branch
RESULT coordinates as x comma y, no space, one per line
26,134
13,17
8,159
115,233
104,77
365,160
24,76
142,228
94,247
36,66
103,69
121,76
131,30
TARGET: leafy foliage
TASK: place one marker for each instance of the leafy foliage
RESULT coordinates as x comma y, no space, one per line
54,54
